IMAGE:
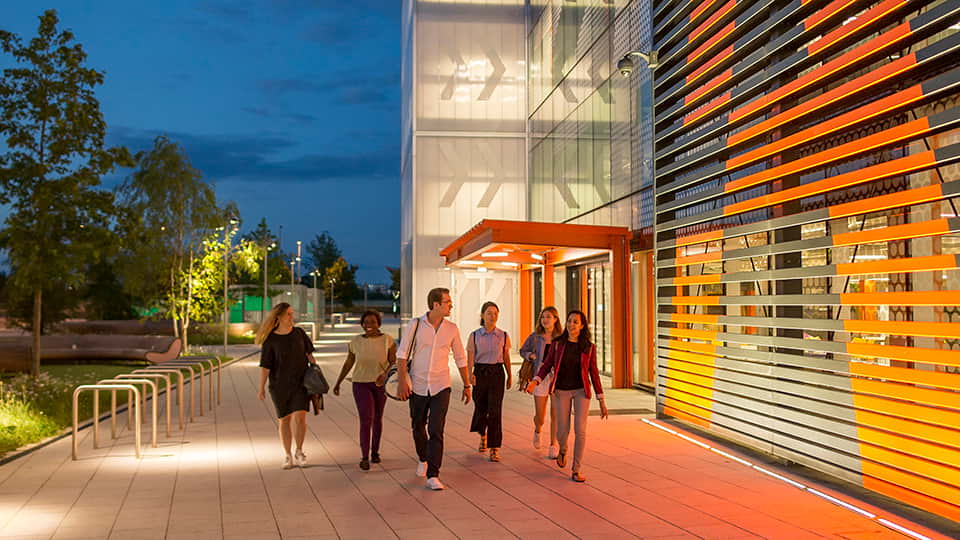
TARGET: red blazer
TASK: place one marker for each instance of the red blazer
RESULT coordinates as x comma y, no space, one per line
588,367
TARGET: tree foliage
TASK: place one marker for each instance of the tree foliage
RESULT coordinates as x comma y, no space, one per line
168,211
344,280
323,252
55,157
278,271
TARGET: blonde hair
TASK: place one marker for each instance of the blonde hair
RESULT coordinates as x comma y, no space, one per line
270,323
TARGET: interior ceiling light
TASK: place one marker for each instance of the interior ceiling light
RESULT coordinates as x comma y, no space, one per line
472,262
494,254
511,264
537,256
481,269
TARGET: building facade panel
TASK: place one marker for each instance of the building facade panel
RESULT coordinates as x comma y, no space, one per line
466,159
806,234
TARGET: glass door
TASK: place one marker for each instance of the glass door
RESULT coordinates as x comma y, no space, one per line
597,304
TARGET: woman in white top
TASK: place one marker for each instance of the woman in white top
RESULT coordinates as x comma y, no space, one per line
372,352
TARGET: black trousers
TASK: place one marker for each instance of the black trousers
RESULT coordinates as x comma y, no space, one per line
488,402
428,414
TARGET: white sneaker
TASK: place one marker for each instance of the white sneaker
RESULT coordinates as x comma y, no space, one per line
300,459
434,483
287,462
536,439
554,450
422,468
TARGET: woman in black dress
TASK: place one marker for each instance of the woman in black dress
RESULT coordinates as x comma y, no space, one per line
285,352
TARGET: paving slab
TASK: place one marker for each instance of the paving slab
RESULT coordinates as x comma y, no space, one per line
221,478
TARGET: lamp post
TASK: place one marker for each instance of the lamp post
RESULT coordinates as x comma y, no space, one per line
299,269
316,303
226,260
332,281
263,302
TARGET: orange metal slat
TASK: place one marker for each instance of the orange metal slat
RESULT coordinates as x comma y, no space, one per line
706,87
823,14
913,457
719,35
904,328
707,109
705,335
702,70
872,481
940,357
894,266
911,298
859,146
937,398
931,415
862,83
907,426
871,110
700,258
717,15
885,202
697,280
906,231
695,300
896,34
867,18
938,379
909,480
699,238
896,167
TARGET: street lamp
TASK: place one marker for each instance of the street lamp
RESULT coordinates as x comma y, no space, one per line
226,260
263,302
299,270
332,281
316,301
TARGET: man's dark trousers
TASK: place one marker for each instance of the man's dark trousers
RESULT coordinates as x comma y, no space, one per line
428,414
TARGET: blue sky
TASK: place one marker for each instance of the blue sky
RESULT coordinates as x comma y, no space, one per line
291,108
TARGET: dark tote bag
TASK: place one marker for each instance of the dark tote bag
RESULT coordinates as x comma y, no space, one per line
316,385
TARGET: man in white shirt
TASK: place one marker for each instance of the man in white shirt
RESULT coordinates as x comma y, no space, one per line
426,345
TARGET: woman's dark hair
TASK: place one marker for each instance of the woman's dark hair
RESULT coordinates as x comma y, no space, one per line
372,313
484,309
583,339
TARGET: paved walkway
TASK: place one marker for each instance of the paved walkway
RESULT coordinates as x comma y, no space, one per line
222,479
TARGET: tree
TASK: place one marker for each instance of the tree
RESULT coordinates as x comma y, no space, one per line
55,156
168,212
278,271
344,281
323,252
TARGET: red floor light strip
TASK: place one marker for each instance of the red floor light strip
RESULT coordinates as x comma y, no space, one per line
882,521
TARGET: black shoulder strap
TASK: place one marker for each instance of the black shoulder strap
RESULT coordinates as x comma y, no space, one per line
413,342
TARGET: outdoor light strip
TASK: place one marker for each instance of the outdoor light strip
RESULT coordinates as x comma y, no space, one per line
873,517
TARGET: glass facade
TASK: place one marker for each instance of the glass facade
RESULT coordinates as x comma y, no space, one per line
464,145
590,148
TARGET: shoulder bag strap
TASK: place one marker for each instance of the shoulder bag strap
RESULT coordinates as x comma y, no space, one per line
413,343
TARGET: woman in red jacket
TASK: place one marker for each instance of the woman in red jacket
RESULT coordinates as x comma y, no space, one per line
573,360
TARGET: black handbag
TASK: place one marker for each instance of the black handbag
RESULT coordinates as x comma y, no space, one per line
315,383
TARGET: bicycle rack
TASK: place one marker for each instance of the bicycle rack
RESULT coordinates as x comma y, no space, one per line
179,375
153,409
191,364
158,377
134,400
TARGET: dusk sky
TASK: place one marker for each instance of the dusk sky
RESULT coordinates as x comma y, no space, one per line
291,108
